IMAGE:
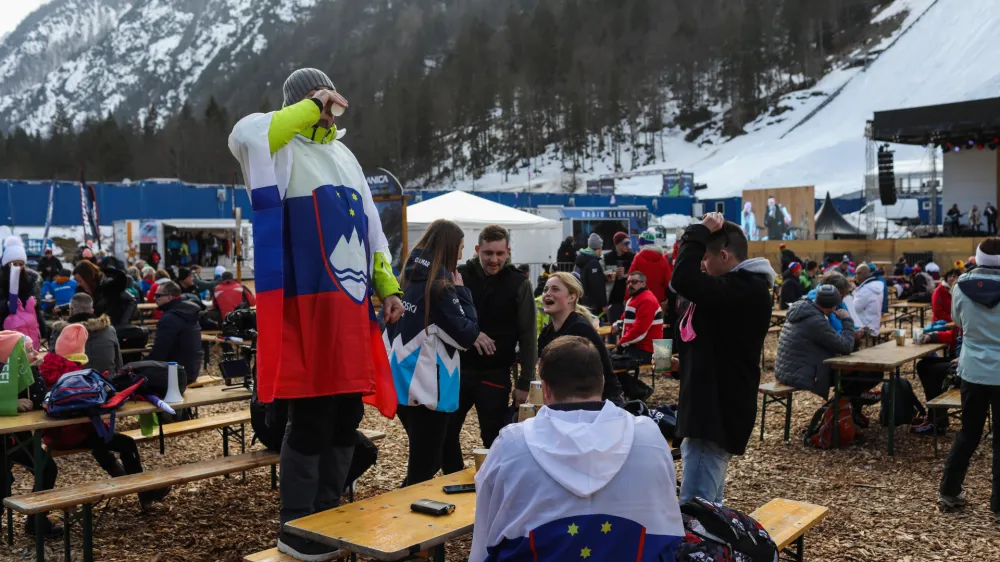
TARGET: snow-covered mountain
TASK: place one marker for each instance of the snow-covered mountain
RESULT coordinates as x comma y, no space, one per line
53,34
942,51
101,56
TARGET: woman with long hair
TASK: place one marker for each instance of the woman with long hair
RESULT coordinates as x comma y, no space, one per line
108,288
561,301
424,345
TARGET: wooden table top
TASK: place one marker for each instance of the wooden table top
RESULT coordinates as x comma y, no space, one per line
384,528
604,331
786,520
36,419
146,306
907,304
884,357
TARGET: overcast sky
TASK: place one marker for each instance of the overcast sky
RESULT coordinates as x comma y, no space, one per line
13,11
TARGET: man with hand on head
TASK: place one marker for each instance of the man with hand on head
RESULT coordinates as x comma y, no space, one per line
721,333
319,249
506,311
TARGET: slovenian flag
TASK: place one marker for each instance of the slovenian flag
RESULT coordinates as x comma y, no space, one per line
313,257
590,538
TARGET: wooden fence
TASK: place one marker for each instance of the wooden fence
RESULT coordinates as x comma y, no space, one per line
946,250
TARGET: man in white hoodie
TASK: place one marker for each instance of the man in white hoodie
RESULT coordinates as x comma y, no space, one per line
868,300
583,480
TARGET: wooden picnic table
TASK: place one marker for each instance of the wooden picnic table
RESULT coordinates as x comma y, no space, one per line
902,309
778,317
385,528
36,420
884,358
214,339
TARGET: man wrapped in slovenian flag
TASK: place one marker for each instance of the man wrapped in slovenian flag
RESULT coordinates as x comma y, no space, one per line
320,253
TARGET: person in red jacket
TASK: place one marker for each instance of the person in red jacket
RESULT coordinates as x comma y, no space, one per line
654,265
229,294
941,297
643,321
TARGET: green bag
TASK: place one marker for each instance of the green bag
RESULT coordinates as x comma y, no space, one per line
14,378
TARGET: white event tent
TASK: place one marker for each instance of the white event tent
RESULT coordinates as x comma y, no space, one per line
533,239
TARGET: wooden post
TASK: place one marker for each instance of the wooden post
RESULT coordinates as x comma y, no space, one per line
239,245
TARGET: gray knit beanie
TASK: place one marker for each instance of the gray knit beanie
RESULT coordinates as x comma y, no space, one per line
303,80
827,296
595,242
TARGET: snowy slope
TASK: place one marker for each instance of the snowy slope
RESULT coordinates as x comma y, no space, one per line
51,35
157,52
947,54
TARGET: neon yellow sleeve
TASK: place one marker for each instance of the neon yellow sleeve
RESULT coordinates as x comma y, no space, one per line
385,282
289,121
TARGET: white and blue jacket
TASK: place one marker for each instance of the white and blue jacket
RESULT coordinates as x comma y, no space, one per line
425,359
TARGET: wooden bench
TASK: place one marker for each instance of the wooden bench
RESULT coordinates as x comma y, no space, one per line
272,555
39,503
220,421
776,393
950,400
787,522
89,494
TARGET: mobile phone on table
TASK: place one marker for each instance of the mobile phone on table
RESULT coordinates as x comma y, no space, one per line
432,507
459,488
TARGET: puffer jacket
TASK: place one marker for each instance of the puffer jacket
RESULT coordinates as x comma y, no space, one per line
974,310
425,360
591,273
102,349
868,304
651,262
807,339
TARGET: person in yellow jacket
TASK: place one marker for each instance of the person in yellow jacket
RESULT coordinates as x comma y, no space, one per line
320,252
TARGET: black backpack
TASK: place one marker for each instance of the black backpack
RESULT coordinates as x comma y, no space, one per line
665,416
907,404
721,534
155,373
131,336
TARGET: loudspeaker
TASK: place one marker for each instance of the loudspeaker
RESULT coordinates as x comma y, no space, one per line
886,177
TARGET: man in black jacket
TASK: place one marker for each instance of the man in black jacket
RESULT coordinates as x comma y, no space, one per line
178,334
505,307
590,271
566,255
620,257
721,334
49,266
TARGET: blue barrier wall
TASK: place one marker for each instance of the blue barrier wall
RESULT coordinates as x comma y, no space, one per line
25,203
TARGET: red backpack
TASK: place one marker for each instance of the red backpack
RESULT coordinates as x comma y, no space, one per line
820,431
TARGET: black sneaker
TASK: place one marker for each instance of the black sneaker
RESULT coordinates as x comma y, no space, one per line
952,502
305,549
49,530
928,428
146,499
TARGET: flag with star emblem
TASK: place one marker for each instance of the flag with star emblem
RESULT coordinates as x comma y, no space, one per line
316,232
590,538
